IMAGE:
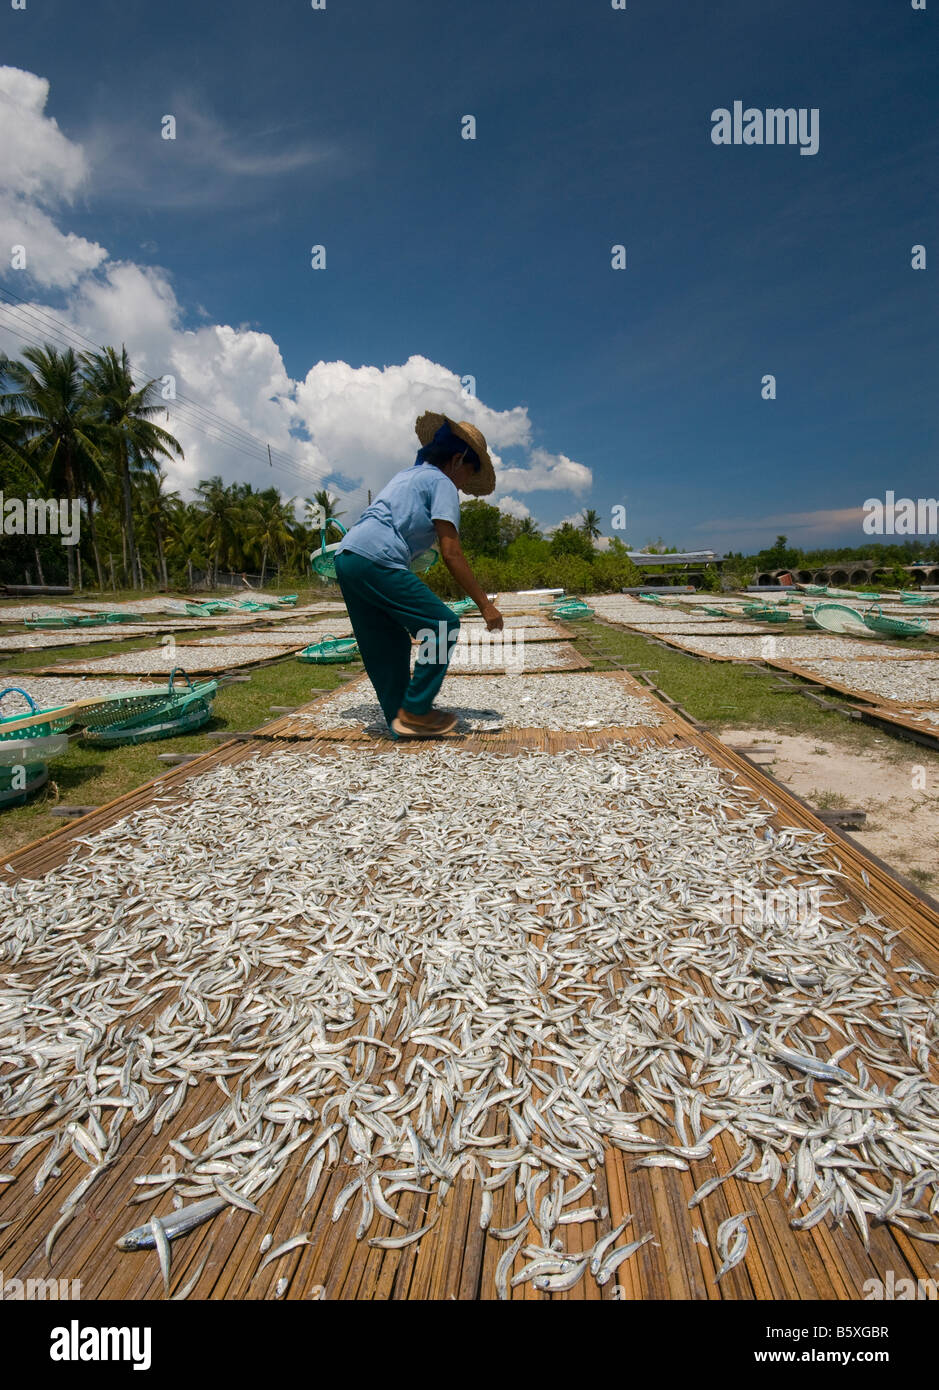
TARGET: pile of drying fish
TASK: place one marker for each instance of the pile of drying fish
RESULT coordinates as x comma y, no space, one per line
365,976
531,622
154,606
80,637
644,615
191,656
48,691
619,608
35,641
922,716
894,680
695,625
511,652
548,701
783,647
280,636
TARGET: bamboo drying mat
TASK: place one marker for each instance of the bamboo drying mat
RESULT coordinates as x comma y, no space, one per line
295,726
547,632
541,661
926,733
874,655
129,672
694,629
455,1260
867,697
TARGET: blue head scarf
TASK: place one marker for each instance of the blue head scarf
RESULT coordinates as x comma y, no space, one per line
446,439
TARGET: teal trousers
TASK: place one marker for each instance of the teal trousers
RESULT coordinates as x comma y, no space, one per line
387,607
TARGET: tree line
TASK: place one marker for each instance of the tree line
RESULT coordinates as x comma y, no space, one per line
78,427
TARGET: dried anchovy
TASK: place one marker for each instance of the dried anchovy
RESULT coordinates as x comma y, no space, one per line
301,636
544,978
895,680
546,701
787,647
192,656
497,655
48,691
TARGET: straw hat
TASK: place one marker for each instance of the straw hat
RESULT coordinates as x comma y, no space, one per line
481,483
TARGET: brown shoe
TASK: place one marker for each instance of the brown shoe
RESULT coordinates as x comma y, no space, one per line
434,724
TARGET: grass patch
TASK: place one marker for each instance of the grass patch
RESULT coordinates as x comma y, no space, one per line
718,693
826,801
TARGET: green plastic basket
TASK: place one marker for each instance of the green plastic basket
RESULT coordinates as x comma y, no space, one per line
894,627
323,560
765,613
127,732
49,624
166,714
37,774
330,649
572,611
14,752
463,605
46,722
840,618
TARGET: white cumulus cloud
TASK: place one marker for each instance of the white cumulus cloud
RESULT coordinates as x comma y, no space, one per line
513,506
40,169
354,425
546,472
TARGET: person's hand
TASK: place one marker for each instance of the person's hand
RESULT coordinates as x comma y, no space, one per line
492,618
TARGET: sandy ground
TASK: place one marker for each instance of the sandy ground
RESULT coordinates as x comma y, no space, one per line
896,784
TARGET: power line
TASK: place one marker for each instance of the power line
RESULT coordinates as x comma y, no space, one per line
223,431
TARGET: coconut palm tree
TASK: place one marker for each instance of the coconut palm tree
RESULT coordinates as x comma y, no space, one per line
18,473
158,508
125,412
186,542
528,526
60,435
321,500
590,525
269,528
220,514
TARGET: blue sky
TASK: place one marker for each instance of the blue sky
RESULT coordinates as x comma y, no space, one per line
492,257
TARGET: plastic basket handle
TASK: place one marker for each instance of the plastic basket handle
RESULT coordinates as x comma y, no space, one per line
324,529
15,690
180,671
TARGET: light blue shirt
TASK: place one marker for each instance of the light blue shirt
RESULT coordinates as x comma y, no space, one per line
399,524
